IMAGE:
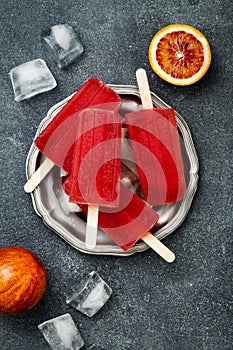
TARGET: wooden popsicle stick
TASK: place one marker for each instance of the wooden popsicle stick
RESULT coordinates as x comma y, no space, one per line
147,103
144,89
92,226
39,175
158,247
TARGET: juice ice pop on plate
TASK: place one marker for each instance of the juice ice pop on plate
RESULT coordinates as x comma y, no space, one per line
127,223
130,222
57,140
155,142
93,92
95,175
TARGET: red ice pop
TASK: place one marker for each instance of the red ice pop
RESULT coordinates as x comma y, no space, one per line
61,129
57,140
127,223
131,221
95,175
155,142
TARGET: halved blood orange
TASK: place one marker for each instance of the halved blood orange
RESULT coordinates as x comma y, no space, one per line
179,54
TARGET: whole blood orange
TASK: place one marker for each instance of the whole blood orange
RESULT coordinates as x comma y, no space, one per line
22,280
179,54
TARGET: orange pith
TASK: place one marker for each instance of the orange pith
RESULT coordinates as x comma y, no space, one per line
179,54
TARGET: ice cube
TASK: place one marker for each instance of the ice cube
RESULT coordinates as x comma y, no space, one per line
63,44
92,297
31,78
61,333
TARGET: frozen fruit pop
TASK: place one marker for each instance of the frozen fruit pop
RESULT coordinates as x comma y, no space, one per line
155,141
131,221
95,175
56,141
93,92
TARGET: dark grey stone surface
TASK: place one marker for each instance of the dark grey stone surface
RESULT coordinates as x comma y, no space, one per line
183,306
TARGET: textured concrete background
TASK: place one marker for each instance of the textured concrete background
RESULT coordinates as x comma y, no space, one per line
185,305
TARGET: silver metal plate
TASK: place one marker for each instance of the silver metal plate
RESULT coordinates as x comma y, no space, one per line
51,203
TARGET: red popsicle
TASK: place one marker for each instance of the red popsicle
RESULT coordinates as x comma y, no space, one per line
155,142
57,140
95,175
58,136
131,221
128,222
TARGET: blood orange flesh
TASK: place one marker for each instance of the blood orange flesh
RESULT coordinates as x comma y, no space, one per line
179,54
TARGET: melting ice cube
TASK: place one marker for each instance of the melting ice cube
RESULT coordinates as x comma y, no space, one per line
61,333
31,78
63,44
92,297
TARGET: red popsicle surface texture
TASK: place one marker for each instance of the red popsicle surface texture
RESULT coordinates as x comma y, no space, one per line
57,140
95,176
128,222
155,141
